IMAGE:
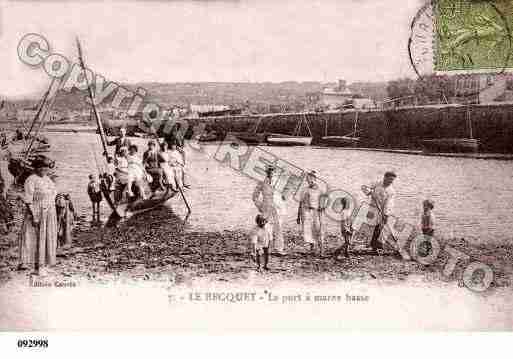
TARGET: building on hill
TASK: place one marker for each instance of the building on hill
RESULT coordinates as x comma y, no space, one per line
479,88
341,96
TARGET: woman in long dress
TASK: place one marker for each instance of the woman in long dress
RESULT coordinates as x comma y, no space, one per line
38,236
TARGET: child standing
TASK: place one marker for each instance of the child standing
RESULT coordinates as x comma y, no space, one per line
427,224
346,229
95,195
260,238
427,219
65,219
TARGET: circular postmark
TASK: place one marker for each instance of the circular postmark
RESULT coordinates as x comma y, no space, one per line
460,37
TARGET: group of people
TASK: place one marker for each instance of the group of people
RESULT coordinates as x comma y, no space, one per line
47,215
162,165
271,205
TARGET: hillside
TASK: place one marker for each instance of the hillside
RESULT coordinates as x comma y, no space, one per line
259,97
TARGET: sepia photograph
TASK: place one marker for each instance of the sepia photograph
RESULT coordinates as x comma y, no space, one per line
241,165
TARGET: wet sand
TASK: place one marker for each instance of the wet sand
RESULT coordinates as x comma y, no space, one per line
159,242
115,272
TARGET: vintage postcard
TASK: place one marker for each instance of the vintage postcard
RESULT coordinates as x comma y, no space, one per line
241,165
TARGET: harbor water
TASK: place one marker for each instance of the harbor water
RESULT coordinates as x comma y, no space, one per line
473,197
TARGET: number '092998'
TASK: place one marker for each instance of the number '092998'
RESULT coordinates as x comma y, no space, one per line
32,343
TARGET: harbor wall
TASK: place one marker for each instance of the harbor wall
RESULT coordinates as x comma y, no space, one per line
403,128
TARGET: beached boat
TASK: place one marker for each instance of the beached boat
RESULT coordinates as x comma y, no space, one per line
123,206
252,136
453,145
25,148
288,140
349,140
278,139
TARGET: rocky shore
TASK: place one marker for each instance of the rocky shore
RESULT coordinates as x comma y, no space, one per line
159,246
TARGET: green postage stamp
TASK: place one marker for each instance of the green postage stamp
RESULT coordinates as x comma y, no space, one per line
472,35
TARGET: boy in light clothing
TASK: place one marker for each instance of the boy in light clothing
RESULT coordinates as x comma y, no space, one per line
260,238
346,229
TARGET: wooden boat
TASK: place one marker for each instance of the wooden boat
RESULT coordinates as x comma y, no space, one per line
278,139
208,137
25,148
453,145
121,205
340,141
21,167
252,136
349,140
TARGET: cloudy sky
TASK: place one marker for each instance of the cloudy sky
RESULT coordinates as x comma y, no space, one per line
247,40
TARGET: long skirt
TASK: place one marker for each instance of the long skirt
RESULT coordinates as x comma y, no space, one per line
276,229
312,227
38,245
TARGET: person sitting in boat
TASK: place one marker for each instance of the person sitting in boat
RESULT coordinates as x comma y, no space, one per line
120,142
164,162
176,137
177,163
136,172
151,164
121,173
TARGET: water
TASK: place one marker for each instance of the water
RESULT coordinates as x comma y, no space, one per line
473,198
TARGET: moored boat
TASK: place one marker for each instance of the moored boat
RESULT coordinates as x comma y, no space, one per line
450,145
349,140
250,137
341,141
453,145
279,139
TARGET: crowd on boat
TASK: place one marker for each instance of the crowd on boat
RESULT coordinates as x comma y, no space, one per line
131,176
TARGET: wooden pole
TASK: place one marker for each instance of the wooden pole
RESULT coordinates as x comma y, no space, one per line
91,96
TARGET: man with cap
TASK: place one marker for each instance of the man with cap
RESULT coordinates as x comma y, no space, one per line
121,141
151,164
310,213
264,198
382,195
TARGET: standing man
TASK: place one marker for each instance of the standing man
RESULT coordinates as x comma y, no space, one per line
382,195
121,141
311,212
264,199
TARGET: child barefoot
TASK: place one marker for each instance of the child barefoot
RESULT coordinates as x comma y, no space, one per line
260,239
95,195
427,224
346,229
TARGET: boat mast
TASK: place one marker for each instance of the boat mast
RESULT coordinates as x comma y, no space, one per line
469,122
43,117
96,115
41,106
355,122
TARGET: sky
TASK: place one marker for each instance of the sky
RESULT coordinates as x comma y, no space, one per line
236,41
